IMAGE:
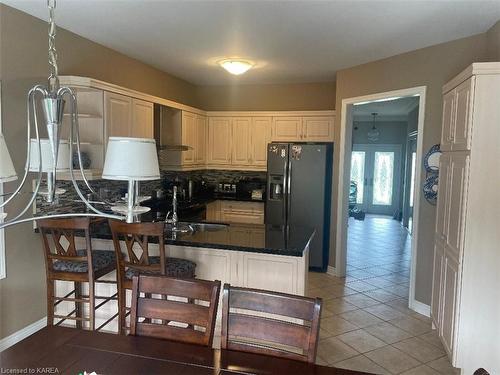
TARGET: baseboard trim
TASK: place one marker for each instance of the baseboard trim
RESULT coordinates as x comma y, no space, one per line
8,341
331,271
420,307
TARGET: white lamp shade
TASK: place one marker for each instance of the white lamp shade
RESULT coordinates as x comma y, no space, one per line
63,157
131,159
7,171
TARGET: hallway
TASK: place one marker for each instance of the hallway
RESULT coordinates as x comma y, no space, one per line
366,324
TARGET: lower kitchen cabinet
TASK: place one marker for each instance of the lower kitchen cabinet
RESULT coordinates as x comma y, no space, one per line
236,212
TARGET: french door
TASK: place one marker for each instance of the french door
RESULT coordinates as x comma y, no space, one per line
376,169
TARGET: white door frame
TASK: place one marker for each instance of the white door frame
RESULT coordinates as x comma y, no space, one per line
345,147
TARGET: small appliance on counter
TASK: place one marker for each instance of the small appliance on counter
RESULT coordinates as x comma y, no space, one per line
252,189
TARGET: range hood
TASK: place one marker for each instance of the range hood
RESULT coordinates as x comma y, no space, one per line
168,129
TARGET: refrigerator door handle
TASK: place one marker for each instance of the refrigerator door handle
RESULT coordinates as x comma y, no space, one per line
285,189
289,189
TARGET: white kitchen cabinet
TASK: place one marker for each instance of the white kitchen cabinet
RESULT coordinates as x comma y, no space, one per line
200,152
287,129
142,119
189,137
241,140
260,137
465,292
127,117
448,120
219,141
317,129
118,114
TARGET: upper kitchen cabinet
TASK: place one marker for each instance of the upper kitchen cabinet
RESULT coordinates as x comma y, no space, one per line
219,141
287,129
260,136
457,117
317,129
118,111
200,152
303,128
142,119
241,140
189,137
127,117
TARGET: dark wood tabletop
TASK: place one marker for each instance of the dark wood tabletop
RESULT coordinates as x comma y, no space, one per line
62,350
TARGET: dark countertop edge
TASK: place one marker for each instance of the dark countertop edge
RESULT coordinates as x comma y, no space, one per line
292,253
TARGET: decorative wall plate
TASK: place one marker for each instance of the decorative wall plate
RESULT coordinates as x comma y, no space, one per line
431,188
431,159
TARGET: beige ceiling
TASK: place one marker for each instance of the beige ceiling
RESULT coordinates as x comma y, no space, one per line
291,41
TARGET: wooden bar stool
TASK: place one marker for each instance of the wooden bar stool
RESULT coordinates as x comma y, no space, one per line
64,262
189,320
136,259
264,322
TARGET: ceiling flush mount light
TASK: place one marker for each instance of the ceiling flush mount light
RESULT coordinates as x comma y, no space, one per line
236,66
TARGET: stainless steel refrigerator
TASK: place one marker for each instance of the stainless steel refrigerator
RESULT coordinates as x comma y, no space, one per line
299,185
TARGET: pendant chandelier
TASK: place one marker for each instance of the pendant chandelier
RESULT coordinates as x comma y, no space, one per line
373,134
41,153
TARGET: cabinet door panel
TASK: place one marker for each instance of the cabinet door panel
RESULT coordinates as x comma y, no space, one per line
443,198
450,284
118,112
318,129
142,114
260,137
463,121
219,141
448,120
437,283
270,272
287,129
188,137
201,140
241,140
457,190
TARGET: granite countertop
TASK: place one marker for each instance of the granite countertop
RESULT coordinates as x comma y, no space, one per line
255,238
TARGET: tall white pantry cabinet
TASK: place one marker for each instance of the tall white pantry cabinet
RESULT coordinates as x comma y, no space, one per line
465,305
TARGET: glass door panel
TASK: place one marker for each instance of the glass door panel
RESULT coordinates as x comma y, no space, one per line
383,178
358,173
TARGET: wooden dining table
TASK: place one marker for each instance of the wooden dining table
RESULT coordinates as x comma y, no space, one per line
62,350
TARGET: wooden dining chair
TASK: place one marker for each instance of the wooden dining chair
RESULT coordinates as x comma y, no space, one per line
174,309
65,262
135,258
271,323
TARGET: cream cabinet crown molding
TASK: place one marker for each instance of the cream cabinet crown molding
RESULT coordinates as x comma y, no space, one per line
269,113
91,83
472,69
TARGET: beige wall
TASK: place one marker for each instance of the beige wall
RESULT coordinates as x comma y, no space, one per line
285,97
430,67
493,40
23,56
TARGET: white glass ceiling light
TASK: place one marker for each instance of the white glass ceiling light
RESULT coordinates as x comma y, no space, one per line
236,66
132,160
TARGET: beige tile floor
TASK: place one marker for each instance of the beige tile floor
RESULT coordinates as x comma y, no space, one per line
366,324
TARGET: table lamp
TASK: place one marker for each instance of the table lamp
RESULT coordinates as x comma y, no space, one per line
7,171
132,160
63,160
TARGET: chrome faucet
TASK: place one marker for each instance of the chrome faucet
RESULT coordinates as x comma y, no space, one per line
174,218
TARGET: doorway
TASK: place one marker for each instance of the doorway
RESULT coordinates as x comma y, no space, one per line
375,168
388,184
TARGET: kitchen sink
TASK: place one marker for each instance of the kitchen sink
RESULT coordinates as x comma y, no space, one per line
184,227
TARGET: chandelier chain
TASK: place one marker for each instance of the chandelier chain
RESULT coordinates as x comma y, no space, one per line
54,70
